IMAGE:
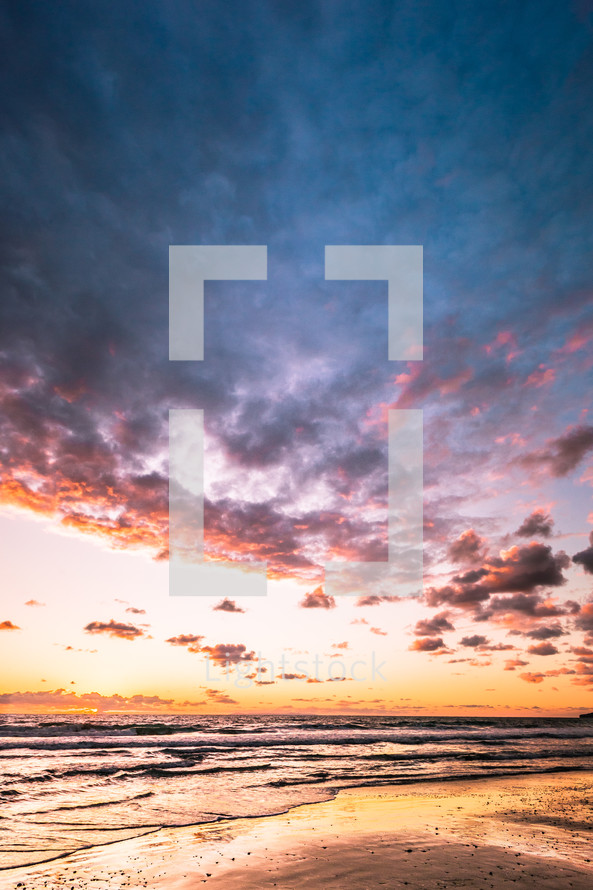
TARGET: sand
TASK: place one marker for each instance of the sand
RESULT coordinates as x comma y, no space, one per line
532,831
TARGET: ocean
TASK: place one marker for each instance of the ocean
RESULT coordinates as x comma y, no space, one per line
70,782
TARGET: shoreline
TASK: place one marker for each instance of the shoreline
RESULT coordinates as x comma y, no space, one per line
332,794
540,821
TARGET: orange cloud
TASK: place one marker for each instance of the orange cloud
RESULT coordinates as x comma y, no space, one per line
530,677
192,641
427,644
543,649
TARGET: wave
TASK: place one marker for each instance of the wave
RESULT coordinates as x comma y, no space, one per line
89,806
349,781
162,770
263,739
176,768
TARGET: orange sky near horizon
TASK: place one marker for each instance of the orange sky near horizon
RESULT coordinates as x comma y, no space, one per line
72,581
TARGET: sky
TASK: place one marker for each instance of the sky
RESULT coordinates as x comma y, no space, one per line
461,127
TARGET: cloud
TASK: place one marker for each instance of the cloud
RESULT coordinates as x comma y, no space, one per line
34,603
537,523
482,644
427,644
426,379
584,651
546,632
134,611
563,454
374,600
227,605
317,599
73,649
192,641
86,380
114,629
496,647
512,664
473,641
530,605
8,625
585,557
378,631
228,653
62,700
531,677
434,626
469,547
184,640
219,697
518,570
543,649
541,377
584,620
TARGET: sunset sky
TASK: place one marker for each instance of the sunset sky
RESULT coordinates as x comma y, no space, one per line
462,127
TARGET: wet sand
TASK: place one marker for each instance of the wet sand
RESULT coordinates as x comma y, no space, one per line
527,832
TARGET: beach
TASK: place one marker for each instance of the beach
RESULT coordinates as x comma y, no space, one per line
68,784
526,831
